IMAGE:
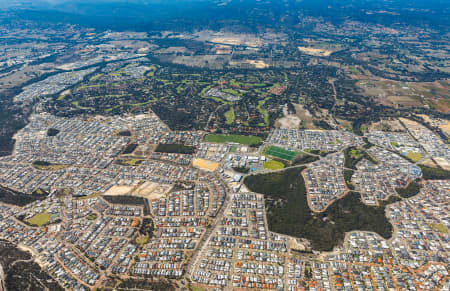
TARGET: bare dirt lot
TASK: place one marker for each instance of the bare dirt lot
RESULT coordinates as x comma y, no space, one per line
386,125
410,124
148,189
305,116
152,190
205,165
119,190
258,64
443,124
289,121
408,94
317,52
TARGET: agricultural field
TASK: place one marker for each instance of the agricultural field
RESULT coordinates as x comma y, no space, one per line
280,153
224,138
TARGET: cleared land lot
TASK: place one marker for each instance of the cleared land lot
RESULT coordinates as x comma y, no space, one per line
152,190
119,190
224,138
205,165
280,153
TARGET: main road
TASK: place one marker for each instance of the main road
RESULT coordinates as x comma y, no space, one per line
203,243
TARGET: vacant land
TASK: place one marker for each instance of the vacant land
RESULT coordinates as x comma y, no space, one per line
129,162
280,153
45,166
119,190
317,52
205,164
273,165
152,190
224,138
288,211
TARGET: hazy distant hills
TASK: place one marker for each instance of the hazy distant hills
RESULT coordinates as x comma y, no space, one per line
200,14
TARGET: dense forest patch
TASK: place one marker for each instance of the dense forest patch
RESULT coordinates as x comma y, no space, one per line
130,148
353,155
21,274
410,191
10,196
175,148
288,211
52,132
429,173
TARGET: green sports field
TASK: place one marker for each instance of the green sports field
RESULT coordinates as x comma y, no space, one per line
242,139
280,153
39,219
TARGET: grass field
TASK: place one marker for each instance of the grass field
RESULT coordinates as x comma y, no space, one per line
415,157
242,139
263,111
39,219
355,153
439,227
142,240
273,165
280,153
44,166
130,162
229,115
232,92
